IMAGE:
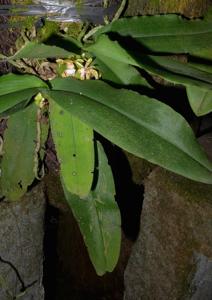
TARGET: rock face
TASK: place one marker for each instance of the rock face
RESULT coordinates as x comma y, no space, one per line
172,258
188,8
21,247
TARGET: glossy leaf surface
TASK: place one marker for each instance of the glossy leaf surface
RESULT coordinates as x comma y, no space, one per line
165,33
200,100
176,71
138,124
203,63
167,68
117,53
99,219
15,101
16,91
74,145
19,151
13,83
121,73
39,50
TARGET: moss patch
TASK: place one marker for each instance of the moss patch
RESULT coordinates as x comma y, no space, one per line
190,190
188,8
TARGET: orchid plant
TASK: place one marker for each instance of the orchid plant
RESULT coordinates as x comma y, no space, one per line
93,87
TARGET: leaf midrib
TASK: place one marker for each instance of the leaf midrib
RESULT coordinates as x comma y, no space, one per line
202,102
100,227
141,124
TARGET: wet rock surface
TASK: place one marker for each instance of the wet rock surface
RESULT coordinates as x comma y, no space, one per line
21,247
172,258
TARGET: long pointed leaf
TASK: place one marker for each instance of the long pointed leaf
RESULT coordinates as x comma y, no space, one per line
39,50
143,126
121,73
9,101
12,83
177,71
99,219
13,109
117,53
170,69
16,91
200,100
165,33
19,151
74,145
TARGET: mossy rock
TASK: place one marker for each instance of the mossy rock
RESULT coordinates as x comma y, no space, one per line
174,244
188,8
49,28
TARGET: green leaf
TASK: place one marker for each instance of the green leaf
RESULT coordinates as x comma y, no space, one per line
200,100
167,68
99,219
17,107
203,67
204,63
74,145
176,71
19,150
138,124
39,50
16,91
165,33
12,102
12,83
117,53
119,72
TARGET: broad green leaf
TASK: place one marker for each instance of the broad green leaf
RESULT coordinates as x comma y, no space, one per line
39,50
202,60
165,33
202,66
204,54
19,151
116,52
99,219
170,69
119,72
75,150
16,91
200,100
14,109
15,101
138,124
176,71
12,83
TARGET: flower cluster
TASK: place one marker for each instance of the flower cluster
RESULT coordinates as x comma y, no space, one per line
80,68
